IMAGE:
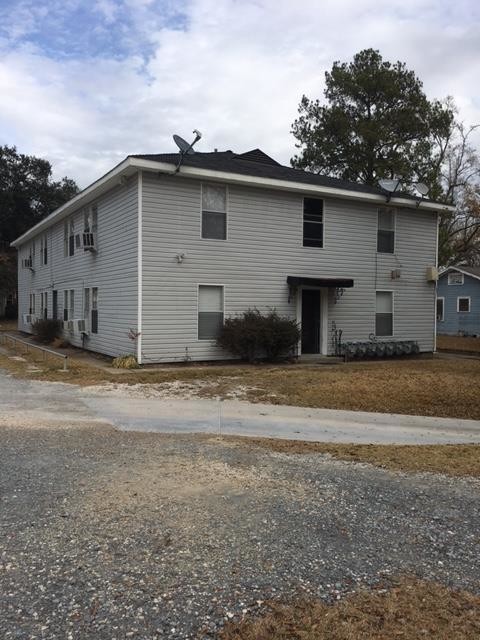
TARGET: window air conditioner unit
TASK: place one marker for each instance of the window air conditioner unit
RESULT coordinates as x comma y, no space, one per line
432,274
88,241
27,263
81,326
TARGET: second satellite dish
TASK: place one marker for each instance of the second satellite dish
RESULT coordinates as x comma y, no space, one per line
422,188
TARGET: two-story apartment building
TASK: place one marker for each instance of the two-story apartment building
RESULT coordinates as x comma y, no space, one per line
168,254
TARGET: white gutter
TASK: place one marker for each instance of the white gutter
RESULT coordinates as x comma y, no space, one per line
131,165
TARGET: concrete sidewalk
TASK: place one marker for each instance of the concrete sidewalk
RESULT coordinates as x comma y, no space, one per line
230,417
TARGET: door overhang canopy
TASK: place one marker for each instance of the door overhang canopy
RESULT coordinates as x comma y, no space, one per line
335,283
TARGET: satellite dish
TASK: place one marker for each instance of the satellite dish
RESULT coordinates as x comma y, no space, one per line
389,185
183,145
422,188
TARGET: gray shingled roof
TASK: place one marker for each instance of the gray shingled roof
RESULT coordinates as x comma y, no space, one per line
259,164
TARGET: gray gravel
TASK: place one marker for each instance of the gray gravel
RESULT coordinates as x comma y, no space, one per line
108,535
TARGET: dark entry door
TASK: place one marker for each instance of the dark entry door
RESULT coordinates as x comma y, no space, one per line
310,321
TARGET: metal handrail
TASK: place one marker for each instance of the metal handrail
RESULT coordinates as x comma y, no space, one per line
14,339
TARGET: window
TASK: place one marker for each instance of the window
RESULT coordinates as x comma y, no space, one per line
71,309
463,305
384,314
86,305
65,306
312,222
55,304
386,231
65,238
214,212
90,219
31,309
210,311
440,309
44,305
455,278
43,250
94,322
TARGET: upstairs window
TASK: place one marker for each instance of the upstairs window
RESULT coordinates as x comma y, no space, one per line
386,231
463,305
210,311
312,222
214,212
384,314
43,250
71,237
455,277
90,219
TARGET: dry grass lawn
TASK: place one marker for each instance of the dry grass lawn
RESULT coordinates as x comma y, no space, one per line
450,459
458,343
411,609
423,386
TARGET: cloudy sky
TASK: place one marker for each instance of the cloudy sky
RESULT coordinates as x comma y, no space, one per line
83,83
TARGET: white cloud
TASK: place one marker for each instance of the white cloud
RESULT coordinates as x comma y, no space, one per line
236,72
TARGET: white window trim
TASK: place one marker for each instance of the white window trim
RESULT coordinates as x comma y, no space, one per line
393,313
227,207
384,253
442,319
208,284
455,284
469,303
323,222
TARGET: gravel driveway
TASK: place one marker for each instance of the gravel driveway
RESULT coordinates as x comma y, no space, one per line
107,534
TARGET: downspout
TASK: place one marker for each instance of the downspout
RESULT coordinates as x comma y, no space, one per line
139,267
436,289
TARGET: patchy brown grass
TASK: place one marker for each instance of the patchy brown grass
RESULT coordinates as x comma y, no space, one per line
446,387
458,343
412,609
450,459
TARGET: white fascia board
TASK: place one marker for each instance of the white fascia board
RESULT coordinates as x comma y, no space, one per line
285,185
89,193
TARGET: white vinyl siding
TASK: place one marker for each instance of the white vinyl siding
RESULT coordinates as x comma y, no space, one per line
112,268
264,246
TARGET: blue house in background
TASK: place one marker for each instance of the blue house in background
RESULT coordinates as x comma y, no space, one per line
458,301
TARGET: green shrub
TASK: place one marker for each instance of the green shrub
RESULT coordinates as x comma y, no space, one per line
46,330
125,362
254,336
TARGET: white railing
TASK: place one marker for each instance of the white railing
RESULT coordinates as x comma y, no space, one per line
5,337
